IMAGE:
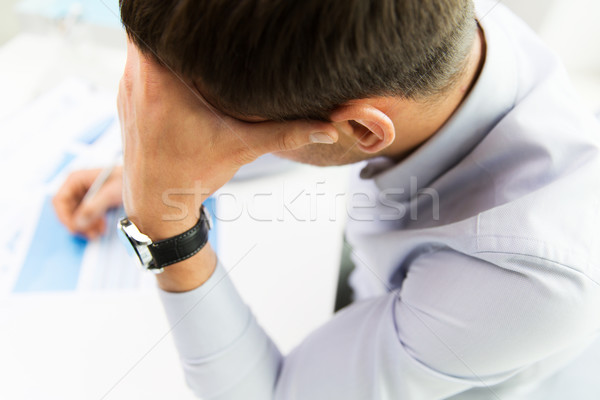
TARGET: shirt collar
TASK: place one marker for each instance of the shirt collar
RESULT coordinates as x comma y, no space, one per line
492,96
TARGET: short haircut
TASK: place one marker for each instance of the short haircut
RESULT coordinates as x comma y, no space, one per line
300,59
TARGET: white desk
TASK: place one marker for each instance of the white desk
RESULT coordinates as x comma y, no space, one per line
72,346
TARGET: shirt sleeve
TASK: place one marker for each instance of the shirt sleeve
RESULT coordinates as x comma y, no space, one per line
457,323
226,355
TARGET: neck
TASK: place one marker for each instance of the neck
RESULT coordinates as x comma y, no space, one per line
475,64
416,122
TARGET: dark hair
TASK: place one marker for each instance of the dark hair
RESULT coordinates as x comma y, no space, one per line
291,59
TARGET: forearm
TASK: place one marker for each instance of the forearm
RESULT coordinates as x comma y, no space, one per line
224,352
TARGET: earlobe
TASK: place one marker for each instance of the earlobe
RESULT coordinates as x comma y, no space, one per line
373,129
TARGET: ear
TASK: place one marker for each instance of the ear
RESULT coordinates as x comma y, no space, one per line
371,127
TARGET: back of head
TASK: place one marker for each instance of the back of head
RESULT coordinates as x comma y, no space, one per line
285,59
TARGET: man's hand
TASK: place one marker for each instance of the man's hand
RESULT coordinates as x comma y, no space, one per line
174,143
87,218
177,148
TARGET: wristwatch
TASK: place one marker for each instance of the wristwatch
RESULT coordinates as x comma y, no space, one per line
155,256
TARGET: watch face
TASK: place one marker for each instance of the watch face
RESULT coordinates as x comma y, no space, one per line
139,242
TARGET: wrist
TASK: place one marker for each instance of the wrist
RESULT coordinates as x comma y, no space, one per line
174,247
190,273
160,222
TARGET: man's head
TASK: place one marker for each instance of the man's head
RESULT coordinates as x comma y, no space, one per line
286,60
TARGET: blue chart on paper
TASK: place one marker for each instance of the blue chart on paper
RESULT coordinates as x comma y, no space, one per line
54,259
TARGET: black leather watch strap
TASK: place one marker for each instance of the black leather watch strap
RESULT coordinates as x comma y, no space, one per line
183,246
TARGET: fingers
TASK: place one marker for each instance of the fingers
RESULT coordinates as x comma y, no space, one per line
90,211
269,137
71,193
95,229
87,217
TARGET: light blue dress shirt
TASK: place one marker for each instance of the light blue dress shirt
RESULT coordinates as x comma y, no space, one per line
477,271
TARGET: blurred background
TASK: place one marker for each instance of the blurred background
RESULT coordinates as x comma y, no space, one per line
41,15
571,28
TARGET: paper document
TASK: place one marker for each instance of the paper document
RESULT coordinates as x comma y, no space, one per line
72,127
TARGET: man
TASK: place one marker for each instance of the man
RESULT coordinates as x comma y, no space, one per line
489,286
